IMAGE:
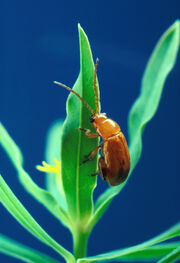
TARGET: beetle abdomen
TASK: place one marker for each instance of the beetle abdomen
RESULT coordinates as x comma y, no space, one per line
116,155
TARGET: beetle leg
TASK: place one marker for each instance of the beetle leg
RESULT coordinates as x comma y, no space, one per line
88,133
95,173
102,170
92,154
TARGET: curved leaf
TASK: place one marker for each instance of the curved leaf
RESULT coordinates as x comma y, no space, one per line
171,257
142,255
159,66
53,145
43,196
150,253
138,250
15,249
17,210
78,185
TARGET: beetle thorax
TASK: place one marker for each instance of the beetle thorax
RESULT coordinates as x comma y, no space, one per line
104,126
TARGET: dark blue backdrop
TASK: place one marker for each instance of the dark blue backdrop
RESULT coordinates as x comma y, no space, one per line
39,44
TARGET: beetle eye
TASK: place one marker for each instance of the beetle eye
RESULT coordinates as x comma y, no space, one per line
92,119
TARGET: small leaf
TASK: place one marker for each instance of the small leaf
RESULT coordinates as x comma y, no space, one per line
43,196
159,66
15,249
138,250
17,210
171,257
53,146
78,185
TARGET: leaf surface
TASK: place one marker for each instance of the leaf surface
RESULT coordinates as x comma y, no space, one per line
78,185
43,196
17,210
15,249
139,251
171,257
159,66
53,146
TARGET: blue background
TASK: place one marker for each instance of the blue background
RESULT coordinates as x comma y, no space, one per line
39,44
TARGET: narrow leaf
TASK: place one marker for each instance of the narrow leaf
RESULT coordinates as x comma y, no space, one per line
15,249
78,185
43,196
17,210
53,146
145,254
171,257
159,66
150,253
124,253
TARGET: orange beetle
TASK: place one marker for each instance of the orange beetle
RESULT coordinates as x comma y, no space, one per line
114,165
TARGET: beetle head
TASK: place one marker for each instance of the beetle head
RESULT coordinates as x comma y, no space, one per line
97,118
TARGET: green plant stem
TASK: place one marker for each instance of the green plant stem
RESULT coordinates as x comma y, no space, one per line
80,240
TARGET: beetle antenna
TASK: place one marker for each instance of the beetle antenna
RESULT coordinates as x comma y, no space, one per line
95,86
85,103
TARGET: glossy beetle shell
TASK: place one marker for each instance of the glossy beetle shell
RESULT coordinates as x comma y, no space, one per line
114,165
117,160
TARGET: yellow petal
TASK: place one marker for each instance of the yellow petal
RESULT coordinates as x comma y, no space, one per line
45,167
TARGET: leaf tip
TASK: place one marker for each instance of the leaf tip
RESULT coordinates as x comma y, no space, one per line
81,31
175,27
177,23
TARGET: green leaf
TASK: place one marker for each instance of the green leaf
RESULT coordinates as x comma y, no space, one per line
159,66
17,210
53,145
146,254
78,185
150,253
171,257
43,196
22,252
138,250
